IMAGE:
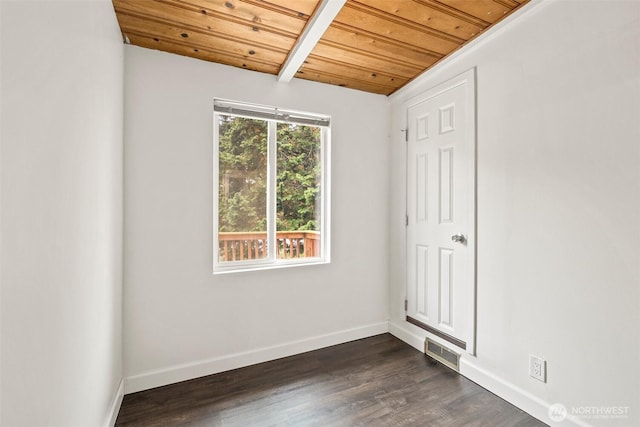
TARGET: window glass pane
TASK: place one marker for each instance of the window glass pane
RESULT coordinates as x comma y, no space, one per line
298,187
242,192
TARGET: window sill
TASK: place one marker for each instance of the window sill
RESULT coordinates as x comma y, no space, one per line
271,266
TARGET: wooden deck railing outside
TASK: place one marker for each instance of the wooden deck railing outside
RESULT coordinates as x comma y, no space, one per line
241,246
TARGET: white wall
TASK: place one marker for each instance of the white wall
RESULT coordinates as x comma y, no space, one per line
558,102
61,199
181,321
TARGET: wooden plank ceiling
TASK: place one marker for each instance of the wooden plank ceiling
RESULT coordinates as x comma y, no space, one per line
372,45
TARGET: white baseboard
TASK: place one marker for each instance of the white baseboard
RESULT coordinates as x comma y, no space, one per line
201,368
522,399
115,405
400,332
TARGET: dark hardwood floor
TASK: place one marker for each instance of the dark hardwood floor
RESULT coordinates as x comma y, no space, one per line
377,381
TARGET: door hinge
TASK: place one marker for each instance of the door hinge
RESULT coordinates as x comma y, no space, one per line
406,220
406,134
406,305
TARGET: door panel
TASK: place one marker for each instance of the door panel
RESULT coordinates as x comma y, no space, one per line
441,206
421,188
422,256
446,290
446,185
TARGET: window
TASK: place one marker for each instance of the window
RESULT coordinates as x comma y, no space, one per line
271,187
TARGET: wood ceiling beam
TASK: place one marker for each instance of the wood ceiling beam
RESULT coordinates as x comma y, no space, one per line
318,24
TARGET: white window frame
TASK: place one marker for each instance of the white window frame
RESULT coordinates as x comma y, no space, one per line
273,116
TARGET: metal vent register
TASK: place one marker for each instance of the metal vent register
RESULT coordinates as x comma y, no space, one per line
442,354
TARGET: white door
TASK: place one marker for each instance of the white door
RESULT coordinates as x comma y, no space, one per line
441,211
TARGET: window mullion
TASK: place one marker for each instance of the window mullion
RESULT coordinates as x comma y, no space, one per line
271,190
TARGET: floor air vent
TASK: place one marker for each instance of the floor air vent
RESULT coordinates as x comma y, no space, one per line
442,354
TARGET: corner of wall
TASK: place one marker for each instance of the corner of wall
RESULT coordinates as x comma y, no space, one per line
114,408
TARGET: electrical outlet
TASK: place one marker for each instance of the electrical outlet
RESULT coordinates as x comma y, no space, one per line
538,368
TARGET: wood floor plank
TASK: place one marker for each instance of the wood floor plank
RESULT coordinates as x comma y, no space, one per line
377,381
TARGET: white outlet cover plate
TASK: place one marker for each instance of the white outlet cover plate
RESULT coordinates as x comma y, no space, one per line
538,368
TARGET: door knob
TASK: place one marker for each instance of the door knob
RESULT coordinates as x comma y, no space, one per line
459,238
